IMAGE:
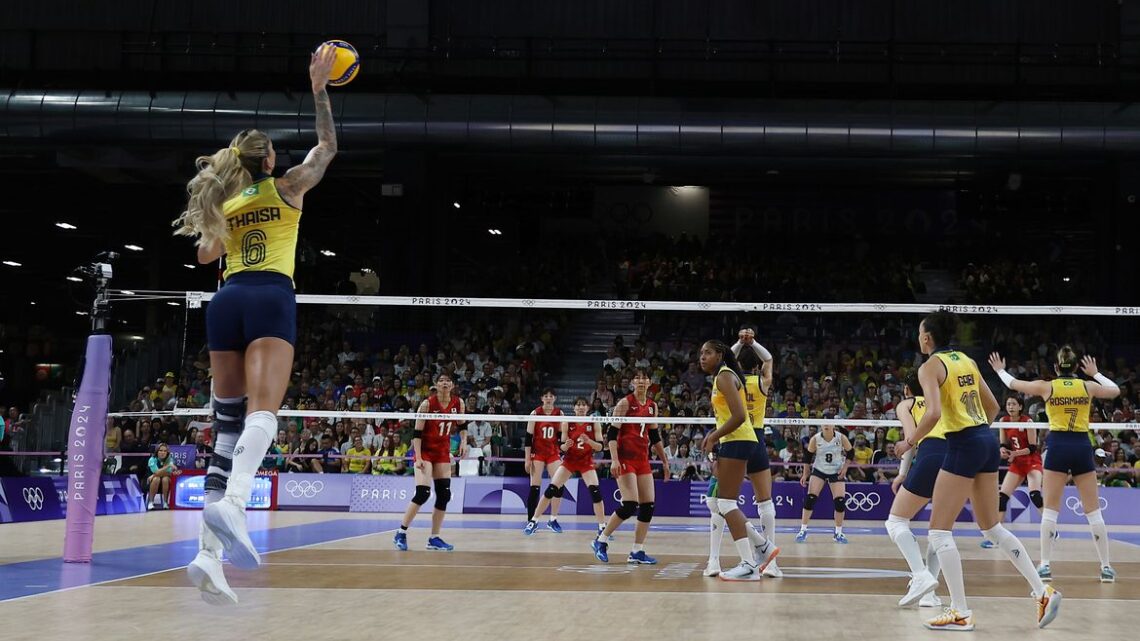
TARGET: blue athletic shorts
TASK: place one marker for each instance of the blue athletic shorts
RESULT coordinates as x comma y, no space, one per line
249,306
925,466
1069,453
758,462
743,450
972,451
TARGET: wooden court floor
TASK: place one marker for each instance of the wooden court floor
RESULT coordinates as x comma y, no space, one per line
499,584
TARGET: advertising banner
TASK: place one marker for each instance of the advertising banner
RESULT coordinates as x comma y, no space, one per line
314,491
29,498
190,491
120,494
184,455
387,493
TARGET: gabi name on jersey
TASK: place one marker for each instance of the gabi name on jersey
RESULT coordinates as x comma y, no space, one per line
263,215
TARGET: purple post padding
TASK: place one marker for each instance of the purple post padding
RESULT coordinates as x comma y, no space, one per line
85,450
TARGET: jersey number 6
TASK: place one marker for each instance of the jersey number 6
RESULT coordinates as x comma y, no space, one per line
253,247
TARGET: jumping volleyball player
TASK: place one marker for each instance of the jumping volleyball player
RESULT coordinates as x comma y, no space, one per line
238,210
541,445
1019,447
431,442
738,443
580,441
1068,400
917,474
629,449
959,402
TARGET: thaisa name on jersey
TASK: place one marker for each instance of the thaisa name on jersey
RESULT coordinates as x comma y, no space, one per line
263,215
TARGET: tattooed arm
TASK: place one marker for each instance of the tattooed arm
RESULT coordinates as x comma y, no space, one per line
300,179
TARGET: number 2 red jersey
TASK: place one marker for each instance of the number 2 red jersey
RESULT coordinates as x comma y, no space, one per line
633,438
580,457
436,437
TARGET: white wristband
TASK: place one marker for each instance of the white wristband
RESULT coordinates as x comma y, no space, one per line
1006,378
1104,380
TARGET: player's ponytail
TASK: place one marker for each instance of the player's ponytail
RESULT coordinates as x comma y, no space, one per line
1066,360
220,177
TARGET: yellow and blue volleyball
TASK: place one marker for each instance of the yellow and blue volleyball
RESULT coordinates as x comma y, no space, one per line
347,63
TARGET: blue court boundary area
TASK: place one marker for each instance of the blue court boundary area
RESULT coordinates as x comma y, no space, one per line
30,578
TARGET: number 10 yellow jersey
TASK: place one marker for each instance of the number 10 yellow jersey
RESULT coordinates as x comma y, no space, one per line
960,392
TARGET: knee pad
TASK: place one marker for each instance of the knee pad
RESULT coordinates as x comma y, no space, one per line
1003,501
840,504
724,506
554,492
626,509
595,494
897,527
1035,497
216,483
645,512
809,502
442,493
422,494
228,414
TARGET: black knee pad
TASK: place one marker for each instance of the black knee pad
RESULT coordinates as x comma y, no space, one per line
442,493
554,492
595,494
223,463
1035,496
645,512
423,492
840,504
229,417
216,482
1003,501
809,502
626,509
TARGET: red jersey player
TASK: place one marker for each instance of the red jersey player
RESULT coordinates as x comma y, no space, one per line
431,442
580,441
629,446
541,448
1019,447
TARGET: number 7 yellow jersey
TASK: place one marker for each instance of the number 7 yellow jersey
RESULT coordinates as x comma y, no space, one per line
960,393
1069,405
262,230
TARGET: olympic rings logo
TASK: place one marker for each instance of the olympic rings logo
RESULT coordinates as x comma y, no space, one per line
1074,504
860,502
34,497
528,302
304,489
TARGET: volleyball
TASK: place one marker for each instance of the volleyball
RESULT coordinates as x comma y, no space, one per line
347,63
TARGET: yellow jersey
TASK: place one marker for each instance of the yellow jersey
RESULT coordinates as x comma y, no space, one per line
720,408
960,393
755,401
1069,405
262,230
357,459
917,411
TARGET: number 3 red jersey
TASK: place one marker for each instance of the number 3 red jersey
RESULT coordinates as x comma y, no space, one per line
633,438
436,437
1018,439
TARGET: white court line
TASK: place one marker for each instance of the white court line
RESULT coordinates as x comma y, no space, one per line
146,574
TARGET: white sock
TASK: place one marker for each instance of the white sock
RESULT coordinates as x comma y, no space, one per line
803,527
1048,534
755,538
943,543
716,535
933,565
1100,535
839,529
898,529
744,549
638,547
208,542
1016,552
601,536
767,510
260,428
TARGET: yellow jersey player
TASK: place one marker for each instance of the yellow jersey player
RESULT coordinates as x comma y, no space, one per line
1068,400
959,402
738,443
236,209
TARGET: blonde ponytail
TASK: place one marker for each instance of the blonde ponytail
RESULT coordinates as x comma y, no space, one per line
220,177
1066,360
